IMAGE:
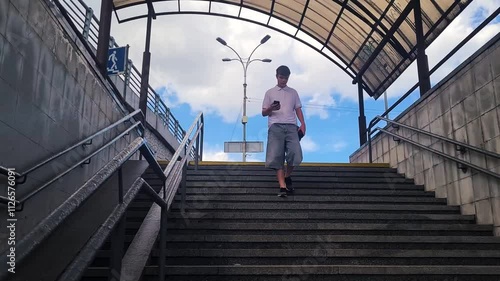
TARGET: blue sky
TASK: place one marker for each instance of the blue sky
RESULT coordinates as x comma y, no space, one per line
188,73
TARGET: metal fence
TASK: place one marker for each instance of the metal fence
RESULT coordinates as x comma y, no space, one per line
83,17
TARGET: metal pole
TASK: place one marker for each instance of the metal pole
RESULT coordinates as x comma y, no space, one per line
244,119
422,63
361,118
104,34
146,62
385,103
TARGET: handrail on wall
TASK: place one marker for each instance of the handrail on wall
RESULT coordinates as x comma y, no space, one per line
170,178
87,141
44,229
460,146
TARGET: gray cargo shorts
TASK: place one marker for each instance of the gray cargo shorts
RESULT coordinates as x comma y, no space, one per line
283,144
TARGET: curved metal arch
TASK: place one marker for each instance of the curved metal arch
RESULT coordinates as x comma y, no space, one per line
367,42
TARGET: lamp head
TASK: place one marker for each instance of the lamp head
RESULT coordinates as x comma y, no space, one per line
226,59
264,40
266,60
220,40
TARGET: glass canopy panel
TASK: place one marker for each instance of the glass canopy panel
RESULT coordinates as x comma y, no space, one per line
359,26
261,5
289,11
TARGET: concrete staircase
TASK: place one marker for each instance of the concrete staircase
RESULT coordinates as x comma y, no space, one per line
345,222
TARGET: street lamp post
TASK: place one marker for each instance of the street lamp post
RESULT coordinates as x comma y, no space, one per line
244,63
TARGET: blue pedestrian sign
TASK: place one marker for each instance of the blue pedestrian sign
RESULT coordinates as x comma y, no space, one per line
117,58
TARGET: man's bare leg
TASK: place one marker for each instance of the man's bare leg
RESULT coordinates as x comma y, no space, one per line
289,170
280,174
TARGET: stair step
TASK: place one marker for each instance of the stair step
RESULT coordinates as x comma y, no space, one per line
334,238
297,173
309,191
396,199
315,185
319,179
329,272
280,215
355,208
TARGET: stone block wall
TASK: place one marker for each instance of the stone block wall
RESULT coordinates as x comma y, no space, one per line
51,98
465,106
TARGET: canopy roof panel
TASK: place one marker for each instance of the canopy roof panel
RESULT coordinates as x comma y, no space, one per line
348,31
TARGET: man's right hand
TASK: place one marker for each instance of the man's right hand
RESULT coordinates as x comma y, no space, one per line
275,106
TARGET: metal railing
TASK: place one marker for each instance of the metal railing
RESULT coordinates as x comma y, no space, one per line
460,146
171,177
83,18
21,177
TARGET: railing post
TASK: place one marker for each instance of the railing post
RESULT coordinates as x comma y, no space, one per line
126,76
370,157
184,187
197,150
117,244
163,239
89,13
120,185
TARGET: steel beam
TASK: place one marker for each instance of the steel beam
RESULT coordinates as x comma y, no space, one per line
422,62
104,35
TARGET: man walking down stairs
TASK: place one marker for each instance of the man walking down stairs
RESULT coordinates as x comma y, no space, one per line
343,222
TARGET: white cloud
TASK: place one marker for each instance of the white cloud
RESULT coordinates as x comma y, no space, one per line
308,144
338,145
318,104
218,154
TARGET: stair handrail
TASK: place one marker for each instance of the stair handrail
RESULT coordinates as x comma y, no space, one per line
87,141
375,120
45,228
184,146
171,181
461,146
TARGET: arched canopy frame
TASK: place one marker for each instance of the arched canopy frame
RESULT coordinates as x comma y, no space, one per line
374,39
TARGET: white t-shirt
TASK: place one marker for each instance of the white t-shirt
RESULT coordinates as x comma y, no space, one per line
289,101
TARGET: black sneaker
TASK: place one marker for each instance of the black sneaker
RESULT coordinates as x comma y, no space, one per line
289,187
282,192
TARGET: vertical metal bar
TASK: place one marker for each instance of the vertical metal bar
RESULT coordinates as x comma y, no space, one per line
104,34
361,118
112,42
183,188
146,62
197,150
126,75
120,185
163,239
422,63
117,245
201,137
89,13
370,158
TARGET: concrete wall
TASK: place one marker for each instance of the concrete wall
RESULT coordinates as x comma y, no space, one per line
465,106
51,97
